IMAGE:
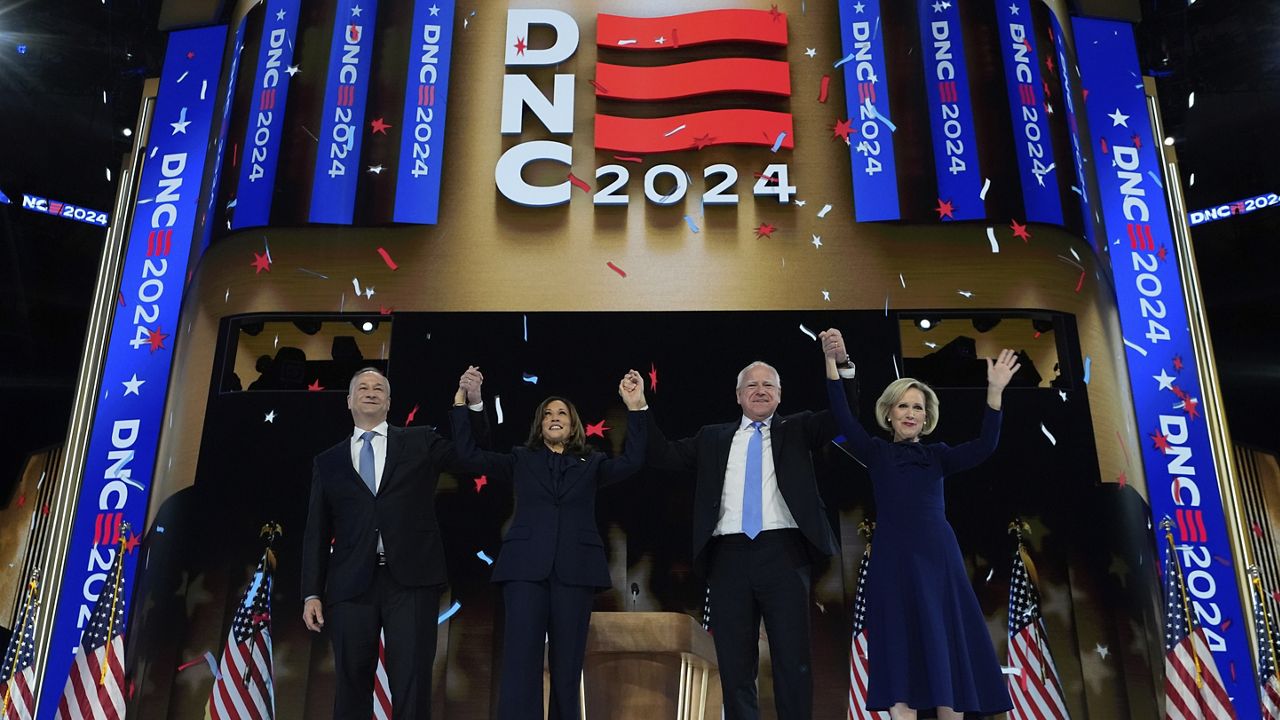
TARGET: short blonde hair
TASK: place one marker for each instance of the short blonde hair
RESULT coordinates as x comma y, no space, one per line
894,393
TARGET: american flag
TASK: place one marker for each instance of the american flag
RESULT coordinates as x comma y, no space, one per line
381,686
858,648
95,687
1193,688
18,674
1036,690
244,688
1266,631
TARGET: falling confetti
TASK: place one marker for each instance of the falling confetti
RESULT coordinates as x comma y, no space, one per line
991,236
481,482
808,332
579,183
596,429
823,212
843,60
692,225
412,414
484,557
765,230
824,88
616,269
386,258
497,407
653,377
529,378
986,185
777,142
1052,440
1088,368
453,610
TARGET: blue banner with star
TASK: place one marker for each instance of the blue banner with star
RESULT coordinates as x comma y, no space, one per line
426,97
955,140
261,152
866,91
121,458
1032,145
1182,482
337,171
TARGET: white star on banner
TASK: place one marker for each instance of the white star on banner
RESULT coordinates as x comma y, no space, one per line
435,10
181,125
1119,118
280,15
132,385
1013,9
1165,380
355,11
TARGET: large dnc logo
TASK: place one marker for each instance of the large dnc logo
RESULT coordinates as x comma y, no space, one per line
641,81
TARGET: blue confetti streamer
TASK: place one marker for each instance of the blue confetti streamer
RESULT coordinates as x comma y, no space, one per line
692,225
531,379
778,142
1088,368
876,111
843,60
485,557
453,610
1155,178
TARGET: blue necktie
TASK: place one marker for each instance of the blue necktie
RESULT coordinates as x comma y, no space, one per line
368,471
752,512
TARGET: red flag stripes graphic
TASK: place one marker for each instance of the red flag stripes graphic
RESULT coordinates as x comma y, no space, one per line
381,685
718,75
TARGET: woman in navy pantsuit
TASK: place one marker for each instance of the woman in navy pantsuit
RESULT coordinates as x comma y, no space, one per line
552,561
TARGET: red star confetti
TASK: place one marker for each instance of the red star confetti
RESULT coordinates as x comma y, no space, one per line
315,386
842,130
1106,149
1191,406
1137,141
1160,441
156,340
824,88
191,55
1085,93
412,413
1177,363
579,183
597,429
1019,230
384,310
481,482
378,126
261,261
616,269
765,230
653,377
1163,253
44,509
773,12
520,46
945,209
1049,62
1122,479
132,543
702,141
386,258
1256,528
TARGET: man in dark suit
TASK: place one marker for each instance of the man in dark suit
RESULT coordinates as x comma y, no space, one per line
372,555
758,525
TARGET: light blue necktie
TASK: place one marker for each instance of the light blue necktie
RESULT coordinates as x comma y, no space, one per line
368,471
752,512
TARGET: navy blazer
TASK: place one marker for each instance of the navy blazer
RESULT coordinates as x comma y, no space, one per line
792,437
555,522
344,512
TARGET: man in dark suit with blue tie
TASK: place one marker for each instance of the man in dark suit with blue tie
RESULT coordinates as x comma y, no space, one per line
758,525
372,555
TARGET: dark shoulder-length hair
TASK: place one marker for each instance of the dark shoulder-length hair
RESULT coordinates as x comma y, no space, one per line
577,442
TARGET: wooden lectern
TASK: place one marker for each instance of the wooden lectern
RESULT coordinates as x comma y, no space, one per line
650,666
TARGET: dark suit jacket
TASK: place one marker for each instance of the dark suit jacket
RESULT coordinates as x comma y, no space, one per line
404,511
555,521
792,438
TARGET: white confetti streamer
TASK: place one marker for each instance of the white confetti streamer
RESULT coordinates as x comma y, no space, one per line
355,282
991,236
986,185
966,293
673,132
1053,440
897,375
823,212
903,281
808,332
1141,350
497,407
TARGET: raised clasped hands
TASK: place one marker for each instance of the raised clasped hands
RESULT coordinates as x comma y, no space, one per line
469,385
833,345
631,389
1001,369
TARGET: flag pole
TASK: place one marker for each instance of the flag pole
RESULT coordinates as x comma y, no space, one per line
1167,525
115,600
1262,608
1017,528
23,618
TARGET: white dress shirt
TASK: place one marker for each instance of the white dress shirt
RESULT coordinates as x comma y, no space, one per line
776,513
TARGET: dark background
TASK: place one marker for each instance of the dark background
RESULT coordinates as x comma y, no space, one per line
58,138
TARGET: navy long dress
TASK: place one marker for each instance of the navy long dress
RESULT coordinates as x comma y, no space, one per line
927,639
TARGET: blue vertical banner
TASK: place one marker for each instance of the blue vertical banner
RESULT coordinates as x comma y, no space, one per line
955,142
1032,145
1182,481
426,97
333,187
208,219
121,458
866,90
261,152
1079,187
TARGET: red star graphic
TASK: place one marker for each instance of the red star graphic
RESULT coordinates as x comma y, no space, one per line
1192,405
1160,441
842,130
315,386
1049,62
481,482
1137,141
765,230
597,429
1163,253
653,377
412,414
132,543
1122,479
379,126
1019,231
191,55
702,141
1177,363
156,340
261,261
520,46
945,210
773,12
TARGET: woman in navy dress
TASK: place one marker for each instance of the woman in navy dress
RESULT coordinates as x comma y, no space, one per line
927,640
552,561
